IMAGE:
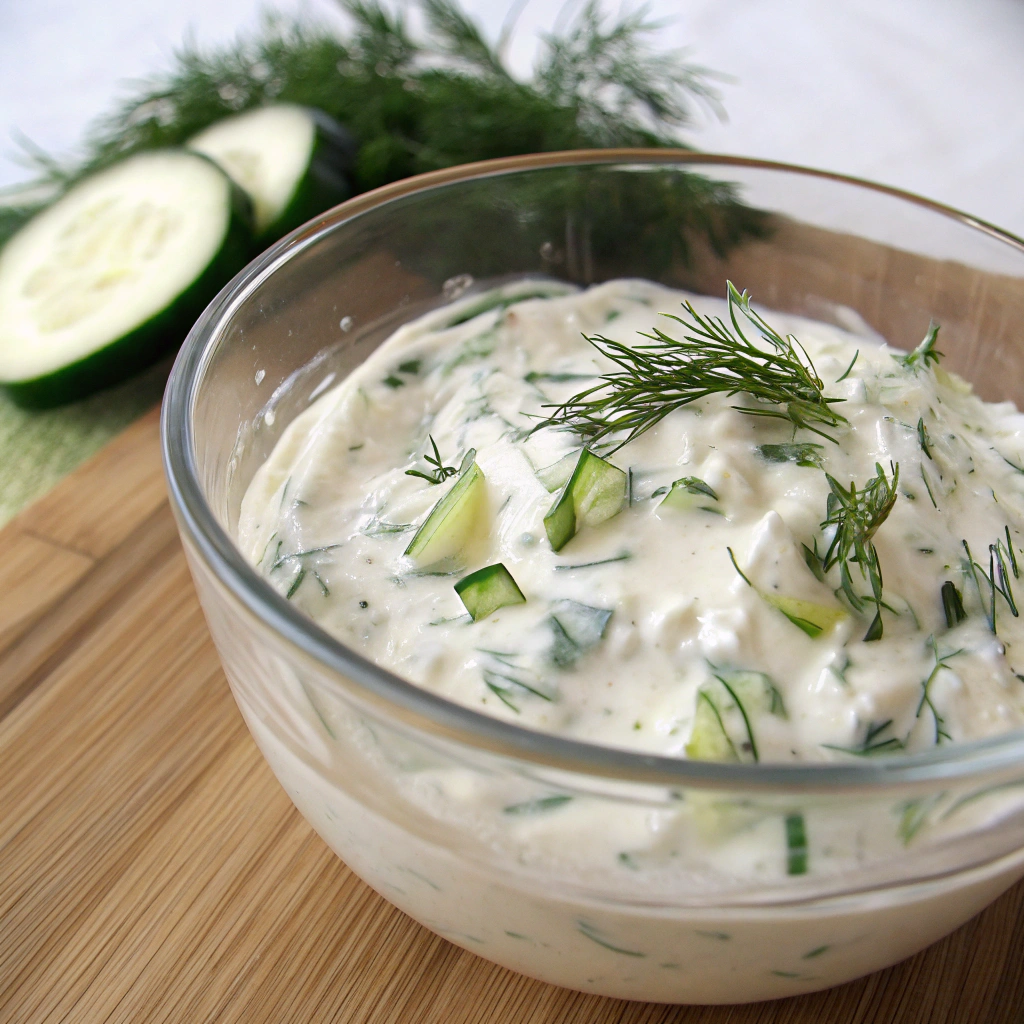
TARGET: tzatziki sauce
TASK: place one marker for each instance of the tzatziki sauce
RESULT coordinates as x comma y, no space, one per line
736,581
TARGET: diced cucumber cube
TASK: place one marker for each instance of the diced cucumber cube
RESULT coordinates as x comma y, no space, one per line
596,491
485,591
452,520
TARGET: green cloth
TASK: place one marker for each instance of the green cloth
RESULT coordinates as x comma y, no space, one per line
38,448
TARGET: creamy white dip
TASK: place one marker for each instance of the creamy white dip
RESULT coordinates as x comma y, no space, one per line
330,515
667,617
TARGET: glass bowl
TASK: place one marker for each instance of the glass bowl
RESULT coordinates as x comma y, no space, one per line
757,881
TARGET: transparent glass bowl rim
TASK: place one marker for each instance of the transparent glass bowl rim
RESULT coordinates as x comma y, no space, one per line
420,710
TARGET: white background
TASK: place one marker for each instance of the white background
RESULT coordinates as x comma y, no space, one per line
927,95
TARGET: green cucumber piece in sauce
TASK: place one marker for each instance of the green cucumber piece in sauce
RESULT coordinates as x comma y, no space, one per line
292,161
452,521
814,619
575,629
726,716
113,275
595,492
554,476
485,591
690,492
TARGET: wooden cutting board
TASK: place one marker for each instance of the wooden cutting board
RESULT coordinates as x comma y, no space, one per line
151,868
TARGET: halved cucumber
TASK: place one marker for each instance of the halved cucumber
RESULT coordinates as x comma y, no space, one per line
292,161
485,591
690,492
114,274
596,491
452,520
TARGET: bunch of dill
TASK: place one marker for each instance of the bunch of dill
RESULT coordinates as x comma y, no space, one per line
412,105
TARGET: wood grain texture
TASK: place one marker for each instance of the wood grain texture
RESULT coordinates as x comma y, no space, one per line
153,870
92,511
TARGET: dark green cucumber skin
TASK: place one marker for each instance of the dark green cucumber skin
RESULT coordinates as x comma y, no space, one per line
325,183
484,578
148,342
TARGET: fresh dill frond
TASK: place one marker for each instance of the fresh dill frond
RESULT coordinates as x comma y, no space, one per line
296,583
846,372
923,438
712,358
1002,563
874,742
603,71
926,696
439,473
736,566
926,353
300,555
856,514
413,102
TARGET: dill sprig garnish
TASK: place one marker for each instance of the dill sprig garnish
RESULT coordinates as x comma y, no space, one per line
923,438
439,473
412,101
1001,563
941,662
925,354
856,514
873,743
712,358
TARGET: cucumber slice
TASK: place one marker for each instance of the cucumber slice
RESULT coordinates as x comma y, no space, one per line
292,161
596,491
485,591
452,520
726,714
114,274
690,492
814,619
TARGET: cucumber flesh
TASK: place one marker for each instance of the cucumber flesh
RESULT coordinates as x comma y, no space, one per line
690,492
814,619
575,628
709,740
292,161
725,718
554,476
485,591
595,492
452,521
111,276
